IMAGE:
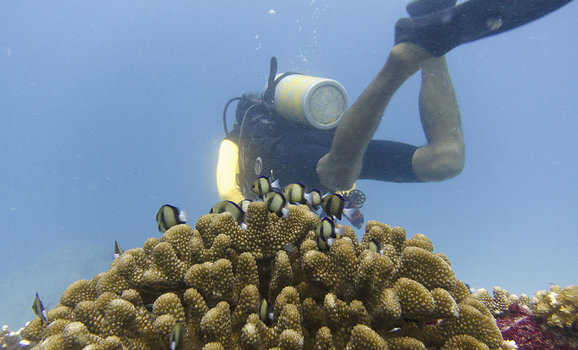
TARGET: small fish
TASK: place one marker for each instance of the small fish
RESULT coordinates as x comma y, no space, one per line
263,185
266,312
169,216
313,198
229,207
374,246
177,337
326,229
276,203
117,250
295,193
334,206
326,233
39,309
323,244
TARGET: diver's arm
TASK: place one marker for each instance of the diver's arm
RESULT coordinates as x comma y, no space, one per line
227,171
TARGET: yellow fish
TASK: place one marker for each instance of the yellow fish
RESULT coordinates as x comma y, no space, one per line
276,203
295,193
169,216
230,207
177,338
263,185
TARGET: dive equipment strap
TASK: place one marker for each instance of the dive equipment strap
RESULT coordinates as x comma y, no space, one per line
269,94
268,97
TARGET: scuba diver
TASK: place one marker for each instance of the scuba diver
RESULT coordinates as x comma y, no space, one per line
300,129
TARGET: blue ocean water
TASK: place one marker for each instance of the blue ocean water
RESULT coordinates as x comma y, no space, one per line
110,109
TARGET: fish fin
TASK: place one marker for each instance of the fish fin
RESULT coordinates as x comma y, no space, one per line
276,184
340,231
184,216
349,212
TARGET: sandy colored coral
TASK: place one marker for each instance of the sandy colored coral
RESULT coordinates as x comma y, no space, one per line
557,307
473,322
464,342
500,301
270,286
364,338
426,268
405,343
415,300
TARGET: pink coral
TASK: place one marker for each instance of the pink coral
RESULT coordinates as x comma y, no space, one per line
520,325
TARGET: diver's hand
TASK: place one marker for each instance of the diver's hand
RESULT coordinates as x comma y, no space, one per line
336,174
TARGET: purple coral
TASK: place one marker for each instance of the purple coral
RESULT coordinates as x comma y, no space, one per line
520,325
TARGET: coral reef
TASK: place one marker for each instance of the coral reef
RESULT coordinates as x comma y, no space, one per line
270,286
547,321
520,325
557,308
12,340
500,301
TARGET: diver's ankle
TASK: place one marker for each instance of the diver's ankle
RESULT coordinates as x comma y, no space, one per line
408,53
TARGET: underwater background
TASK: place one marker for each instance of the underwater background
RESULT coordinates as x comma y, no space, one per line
111,109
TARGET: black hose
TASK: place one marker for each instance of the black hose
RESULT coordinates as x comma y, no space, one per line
225,112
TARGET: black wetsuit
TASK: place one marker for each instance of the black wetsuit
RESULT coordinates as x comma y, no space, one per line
291,150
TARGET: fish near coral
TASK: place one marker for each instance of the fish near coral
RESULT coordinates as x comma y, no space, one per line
326,233
169,216
117,250
230,207
276,203
39,309
295,193
334,206
177,338
313,198
263,185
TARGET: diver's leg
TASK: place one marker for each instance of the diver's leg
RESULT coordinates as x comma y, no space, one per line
441,31
339,169
443,156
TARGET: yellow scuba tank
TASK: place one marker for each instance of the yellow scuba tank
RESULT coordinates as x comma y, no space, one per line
314,101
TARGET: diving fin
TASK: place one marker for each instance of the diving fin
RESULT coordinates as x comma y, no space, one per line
439,32
418,8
